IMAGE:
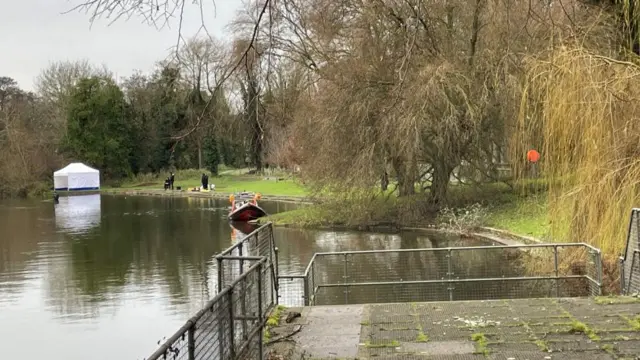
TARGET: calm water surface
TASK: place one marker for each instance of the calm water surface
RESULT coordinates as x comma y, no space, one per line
106,277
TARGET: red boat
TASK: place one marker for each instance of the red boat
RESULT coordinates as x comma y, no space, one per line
245,208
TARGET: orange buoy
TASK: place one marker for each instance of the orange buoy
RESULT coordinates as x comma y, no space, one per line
533,156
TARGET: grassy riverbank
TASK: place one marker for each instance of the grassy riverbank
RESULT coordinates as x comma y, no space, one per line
496,205
227,182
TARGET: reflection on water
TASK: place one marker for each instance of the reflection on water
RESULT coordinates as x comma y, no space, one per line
106,277
77,214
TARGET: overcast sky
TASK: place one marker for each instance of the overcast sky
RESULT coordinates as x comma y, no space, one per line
35,33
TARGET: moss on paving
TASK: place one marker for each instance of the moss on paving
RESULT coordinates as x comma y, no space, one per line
524,326
542,345
481,343
611,300
273,321
390,344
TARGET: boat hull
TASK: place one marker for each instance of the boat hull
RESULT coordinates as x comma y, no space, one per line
247,212
243,227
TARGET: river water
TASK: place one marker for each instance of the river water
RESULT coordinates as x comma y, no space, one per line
107,277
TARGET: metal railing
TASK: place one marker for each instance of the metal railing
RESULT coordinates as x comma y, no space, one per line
630,261
230,326
441,274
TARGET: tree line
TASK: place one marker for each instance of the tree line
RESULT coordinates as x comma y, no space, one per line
177,116
353,93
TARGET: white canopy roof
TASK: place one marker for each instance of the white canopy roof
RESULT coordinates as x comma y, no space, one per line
75,168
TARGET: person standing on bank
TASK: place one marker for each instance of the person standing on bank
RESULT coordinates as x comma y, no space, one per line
171,179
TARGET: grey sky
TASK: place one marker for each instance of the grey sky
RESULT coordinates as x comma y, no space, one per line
35,33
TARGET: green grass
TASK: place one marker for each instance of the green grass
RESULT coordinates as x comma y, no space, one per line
230,181
522,215
357,212
504,210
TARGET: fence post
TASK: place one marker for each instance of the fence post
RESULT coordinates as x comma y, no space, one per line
192,342
220,270
556,271
232,327
260,315
622,286
277,275
449,275
272,243
241,260
312,291
257,243
599,271
221,342
346,289
305,284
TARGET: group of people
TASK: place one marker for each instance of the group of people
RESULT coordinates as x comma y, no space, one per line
168,183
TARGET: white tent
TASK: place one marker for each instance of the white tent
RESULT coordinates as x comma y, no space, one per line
76,176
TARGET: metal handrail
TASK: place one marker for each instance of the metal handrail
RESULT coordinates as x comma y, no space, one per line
162,350
485,247
241,242
595,279
626,249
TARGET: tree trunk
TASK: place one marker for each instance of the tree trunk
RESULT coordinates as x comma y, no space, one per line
257,148
406,173
199,153
384,182
440,183
253,107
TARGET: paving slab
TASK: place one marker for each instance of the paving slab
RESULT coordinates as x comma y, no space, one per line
330,331
532,329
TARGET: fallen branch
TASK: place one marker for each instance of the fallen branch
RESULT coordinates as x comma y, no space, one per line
296,330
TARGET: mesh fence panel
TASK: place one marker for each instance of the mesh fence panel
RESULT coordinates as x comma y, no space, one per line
231,324
441,274
311,282
257,243
630,269
291,290
246,310
178,349
212,334
632,277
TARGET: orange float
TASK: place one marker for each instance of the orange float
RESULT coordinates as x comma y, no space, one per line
533,156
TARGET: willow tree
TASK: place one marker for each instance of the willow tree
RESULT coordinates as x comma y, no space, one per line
409,88
582,109
578,107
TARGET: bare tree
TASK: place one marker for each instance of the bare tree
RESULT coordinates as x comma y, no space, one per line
204,63
55,83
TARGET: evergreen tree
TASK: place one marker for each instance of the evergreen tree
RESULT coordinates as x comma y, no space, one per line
211,154
98,127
